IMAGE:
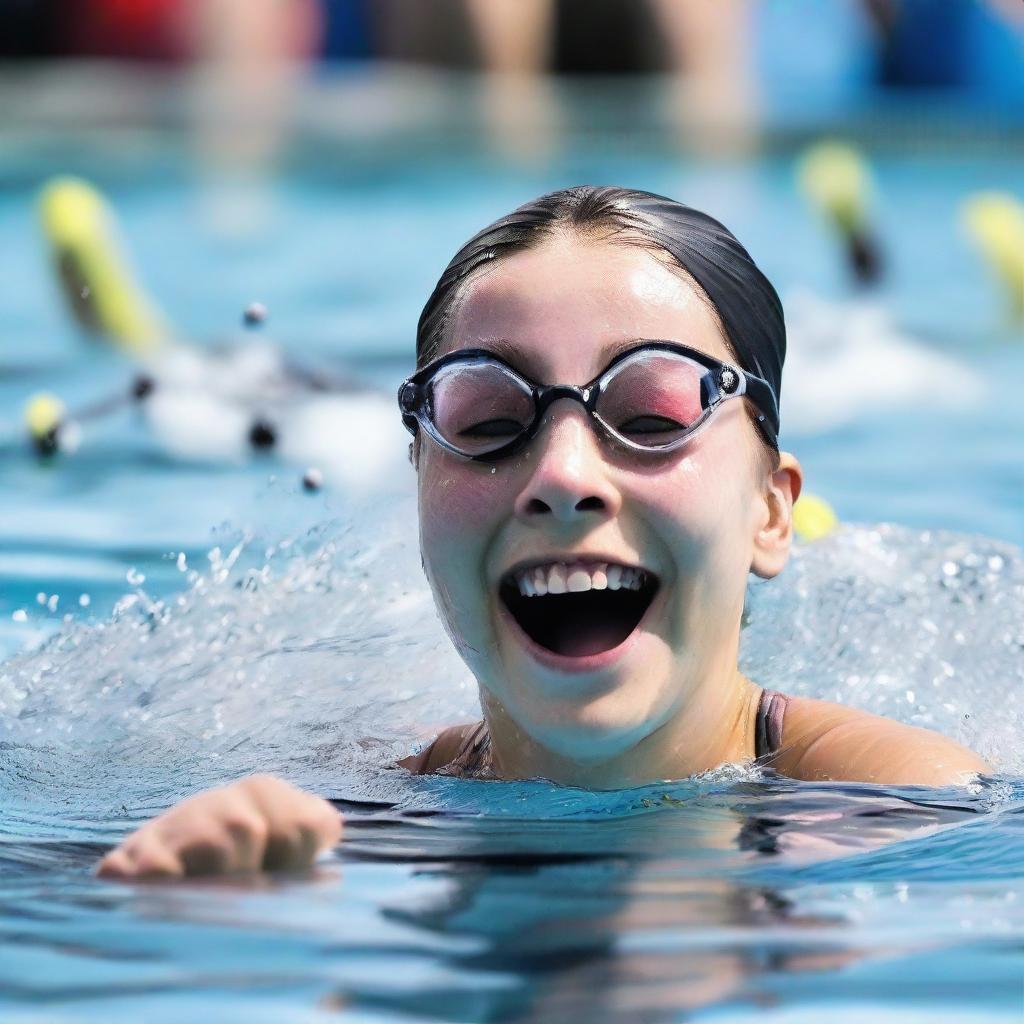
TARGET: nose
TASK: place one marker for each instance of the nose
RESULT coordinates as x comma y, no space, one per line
570,480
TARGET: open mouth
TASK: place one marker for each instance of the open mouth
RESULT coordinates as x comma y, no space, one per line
578,609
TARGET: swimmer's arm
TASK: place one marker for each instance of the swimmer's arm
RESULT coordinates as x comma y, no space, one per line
848,745
256,824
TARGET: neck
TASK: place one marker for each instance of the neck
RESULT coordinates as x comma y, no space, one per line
714,726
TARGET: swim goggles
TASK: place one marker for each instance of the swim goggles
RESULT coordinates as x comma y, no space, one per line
651,398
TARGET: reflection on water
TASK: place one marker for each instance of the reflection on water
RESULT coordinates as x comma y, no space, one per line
663,902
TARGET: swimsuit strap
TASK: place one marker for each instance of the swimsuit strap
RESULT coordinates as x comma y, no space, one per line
473,751
771,710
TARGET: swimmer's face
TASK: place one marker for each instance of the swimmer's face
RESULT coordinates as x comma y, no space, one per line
696,520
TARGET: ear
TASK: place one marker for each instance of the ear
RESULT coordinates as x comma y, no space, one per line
414,452
774,535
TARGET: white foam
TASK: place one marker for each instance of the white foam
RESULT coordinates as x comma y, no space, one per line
198,426
847,361
356,439
322,657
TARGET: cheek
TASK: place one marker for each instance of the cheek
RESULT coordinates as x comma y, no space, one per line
702,507
459,512
457,501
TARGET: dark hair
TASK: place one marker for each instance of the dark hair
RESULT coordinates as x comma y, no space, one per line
744,300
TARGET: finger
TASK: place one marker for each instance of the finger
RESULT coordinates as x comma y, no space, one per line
291,843
299,824
146,856
329,825
276,801
116,864
206,856
215,833
248,832
284,851
319,828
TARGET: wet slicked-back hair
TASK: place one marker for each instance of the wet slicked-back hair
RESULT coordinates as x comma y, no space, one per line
742,298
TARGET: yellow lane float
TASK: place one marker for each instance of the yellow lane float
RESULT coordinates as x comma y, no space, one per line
95,278
44,414
836,180
995,223
813,517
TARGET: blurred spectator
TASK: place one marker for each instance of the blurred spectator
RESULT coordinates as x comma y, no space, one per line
804,61
711,99
247,54
968,45
146,30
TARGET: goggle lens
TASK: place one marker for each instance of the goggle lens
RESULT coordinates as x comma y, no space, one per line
653,399
479,407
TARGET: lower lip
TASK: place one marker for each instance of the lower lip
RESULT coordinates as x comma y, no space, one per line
584,663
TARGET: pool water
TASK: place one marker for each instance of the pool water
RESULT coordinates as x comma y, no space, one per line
173,624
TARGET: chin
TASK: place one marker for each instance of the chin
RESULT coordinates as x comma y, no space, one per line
588,728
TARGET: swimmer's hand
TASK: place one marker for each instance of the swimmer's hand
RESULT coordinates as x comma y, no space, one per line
256,824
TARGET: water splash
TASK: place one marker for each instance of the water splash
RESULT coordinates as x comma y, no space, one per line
313,656
321,657
921,626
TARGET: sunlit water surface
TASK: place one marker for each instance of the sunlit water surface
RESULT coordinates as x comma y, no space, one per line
172,625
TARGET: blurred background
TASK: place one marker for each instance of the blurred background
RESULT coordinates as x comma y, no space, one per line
219,220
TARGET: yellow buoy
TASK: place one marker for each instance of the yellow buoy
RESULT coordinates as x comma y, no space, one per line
94,276
43,414
995,222
836,179
813,517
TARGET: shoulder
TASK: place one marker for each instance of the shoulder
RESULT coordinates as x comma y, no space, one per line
826,741
441,751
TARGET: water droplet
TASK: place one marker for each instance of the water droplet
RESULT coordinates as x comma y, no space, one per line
20,615
84,600
254,315
134,577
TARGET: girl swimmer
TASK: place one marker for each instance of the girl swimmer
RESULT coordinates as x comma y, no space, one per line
595,421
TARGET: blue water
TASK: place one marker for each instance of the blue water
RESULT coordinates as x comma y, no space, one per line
172,624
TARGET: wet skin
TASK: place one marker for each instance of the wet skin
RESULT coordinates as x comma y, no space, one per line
671,702
701,518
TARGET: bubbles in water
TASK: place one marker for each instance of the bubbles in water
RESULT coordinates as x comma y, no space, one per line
318,656
923,627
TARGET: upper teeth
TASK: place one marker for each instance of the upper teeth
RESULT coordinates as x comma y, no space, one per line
576,577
